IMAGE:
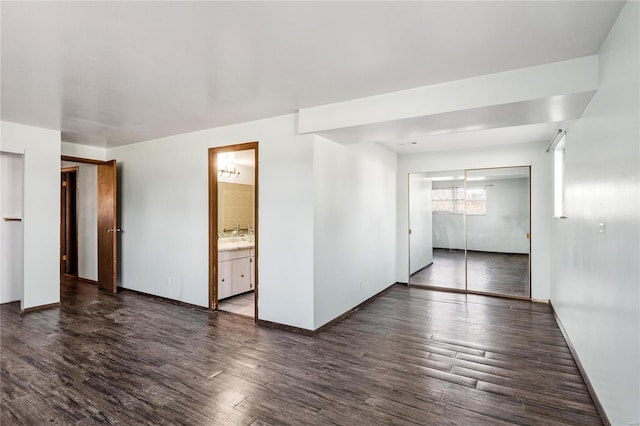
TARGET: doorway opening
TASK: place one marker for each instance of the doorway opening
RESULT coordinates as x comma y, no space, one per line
88,231
11,227
68,222
233,229
469,231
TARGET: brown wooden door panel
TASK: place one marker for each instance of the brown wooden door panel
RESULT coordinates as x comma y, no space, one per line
107,226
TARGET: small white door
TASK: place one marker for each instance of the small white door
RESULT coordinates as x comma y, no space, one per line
241,275
225,277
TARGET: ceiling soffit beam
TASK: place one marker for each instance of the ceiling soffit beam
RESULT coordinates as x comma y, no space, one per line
553,109
537,82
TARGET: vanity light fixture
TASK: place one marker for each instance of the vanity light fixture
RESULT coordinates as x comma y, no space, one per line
226,167
229,170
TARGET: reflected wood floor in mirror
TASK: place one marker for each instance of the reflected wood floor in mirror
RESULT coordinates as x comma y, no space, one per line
409,357
447,270
500,273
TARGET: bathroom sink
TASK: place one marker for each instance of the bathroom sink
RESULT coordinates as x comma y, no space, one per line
234,243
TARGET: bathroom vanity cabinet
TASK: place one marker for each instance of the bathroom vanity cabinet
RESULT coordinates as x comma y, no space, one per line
235,272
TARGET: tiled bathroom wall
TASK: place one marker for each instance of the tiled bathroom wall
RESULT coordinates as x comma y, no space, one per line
235,206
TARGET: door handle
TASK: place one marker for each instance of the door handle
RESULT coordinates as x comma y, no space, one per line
114,229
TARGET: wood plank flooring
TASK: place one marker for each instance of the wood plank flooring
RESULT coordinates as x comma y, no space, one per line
497,273
410,357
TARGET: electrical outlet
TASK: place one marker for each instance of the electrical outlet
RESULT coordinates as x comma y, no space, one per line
602,227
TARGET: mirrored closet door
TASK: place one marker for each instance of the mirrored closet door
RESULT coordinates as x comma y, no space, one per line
436,220
469,231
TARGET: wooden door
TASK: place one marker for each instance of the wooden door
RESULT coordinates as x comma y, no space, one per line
68,222
107,226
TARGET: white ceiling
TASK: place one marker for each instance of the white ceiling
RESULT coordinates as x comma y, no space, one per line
112,73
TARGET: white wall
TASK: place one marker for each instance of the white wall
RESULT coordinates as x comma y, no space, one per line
595,276
41,214
326,219
165,207
11,247
502,229
354,232
420,221
448,231
499,156
87,216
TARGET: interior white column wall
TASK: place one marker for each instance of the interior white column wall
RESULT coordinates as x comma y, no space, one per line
354,225
41,213
498,156
165,209
595,276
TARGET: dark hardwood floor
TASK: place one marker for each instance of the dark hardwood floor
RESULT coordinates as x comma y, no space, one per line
410,357
505,274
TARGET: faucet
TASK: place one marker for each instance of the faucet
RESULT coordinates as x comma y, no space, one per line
237,230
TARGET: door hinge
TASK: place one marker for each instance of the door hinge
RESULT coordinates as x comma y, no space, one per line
64,257
64,183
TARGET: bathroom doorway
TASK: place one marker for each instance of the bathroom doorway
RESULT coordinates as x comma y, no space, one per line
233,229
